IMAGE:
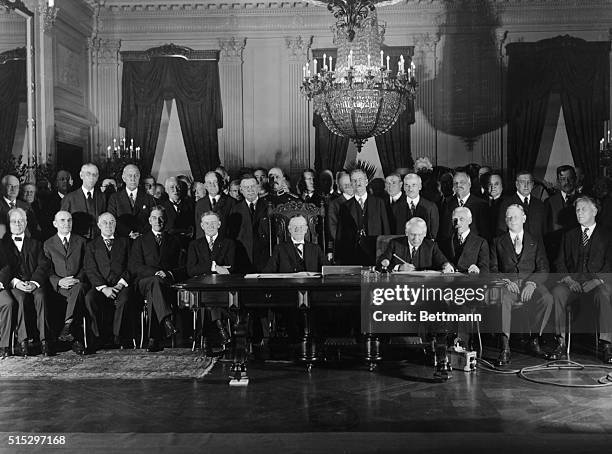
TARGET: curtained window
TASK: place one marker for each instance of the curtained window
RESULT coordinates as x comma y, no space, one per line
194,85
12,93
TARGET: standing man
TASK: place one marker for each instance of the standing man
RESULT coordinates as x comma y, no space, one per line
131,206
534,208
53,203
214,201
467,252
333,210
155,263
393,188
149,185
179,212
493,195
361,220
584,264
462,197
413,205
86,203
28,276
560,209
66,252
10,191
106,266
521,255
280,187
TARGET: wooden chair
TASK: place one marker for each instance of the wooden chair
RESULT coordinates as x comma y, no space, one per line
315,218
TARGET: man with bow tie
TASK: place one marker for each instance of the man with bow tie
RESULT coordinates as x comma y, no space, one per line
155,261
131,206
106,267
29,271
212,254
215,201
66,252
585,263
521,256
86,203
10,191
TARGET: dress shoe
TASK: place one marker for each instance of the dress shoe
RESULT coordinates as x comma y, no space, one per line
65,335
78,348
606,353
170,328
6,352
503,358
25,350
45,349
154,346
534,347
559,352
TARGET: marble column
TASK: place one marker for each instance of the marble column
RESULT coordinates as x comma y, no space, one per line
298,118
231,136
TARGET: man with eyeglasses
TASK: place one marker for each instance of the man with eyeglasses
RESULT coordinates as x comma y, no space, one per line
86,203
535,210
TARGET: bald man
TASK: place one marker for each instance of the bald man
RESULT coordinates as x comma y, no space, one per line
86,203
131,206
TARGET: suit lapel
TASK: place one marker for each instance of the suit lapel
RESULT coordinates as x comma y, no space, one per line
509,247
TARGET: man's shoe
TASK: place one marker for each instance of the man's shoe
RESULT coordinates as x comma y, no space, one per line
170,328
78,348
6,352
24,348
559,352
65,335
503,358
534,347
606,353
154,346
45,350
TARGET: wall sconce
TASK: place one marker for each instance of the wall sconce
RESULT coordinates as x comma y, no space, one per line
48,13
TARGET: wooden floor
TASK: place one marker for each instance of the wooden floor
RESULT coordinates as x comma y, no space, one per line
389,410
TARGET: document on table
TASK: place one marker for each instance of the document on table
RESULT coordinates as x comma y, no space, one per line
281,275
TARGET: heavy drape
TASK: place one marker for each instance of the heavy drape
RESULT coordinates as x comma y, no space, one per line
330,148
394,145
194,85
580,72
12,92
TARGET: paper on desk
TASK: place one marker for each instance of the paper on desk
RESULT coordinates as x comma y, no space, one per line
281,275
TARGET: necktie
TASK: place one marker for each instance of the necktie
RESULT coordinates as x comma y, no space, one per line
460,202
412,254
252,207
176,206
518,246
214,202
12,205
412,208
132,201
585,236
361,202
18,238
460,239
211,243
300,249
65,244
109,243
158,239
90,203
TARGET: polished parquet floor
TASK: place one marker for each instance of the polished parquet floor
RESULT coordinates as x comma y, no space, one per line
399,408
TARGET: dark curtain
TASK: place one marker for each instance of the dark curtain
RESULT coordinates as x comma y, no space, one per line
330,148
394,145
12,92
580,72
194,85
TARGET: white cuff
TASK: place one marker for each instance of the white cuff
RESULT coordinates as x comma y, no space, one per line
122,281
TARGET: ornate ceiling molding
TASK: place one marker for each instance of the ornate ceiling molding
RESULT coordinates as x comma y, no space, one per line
170,51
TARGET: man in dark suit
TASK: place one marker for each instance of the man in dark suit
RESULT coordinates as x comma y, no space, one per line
584,262
413,205
333,210
297,255
414,252
66,252
521,255
214,201
10,191
279,184
155,262
86,203
467,252
361,220
131,206
29,271
179,213
7,305
106,266
393,189
53,203
560,210
248,225
462,197
212,254
535,210
494,197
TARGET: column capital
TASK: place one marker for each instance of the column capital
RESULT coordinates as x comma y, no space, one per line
47,15
231,48
426,42
298,47
108,50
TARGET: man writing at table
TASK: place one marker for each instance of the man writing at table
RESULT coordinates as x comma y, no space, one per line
414,252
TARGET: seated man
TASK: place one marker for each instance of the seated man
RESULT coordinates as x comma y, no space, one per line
584,257
66,252
155,262
28,275
414,252
211,254
523,258
468,252
297,255
7,303
106,266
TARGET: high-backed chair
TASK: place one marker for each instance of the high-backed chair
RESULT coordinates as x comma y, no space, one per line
315,218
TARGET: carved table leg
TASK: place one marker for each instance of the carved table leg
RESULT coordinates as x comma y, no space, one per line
308,349
238,370
372,351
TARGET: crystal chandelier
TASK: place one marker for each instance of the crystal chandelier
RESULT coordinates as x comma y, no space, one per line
358,96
